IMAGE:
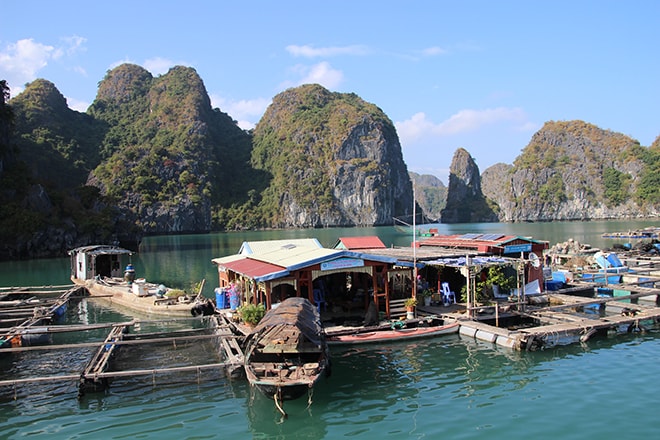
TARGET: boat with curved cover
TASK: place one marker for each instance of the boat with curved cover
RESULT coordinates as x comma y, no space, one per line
286,353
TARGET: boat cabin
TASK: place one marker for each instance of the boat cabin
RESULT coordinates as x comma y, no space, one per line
89,262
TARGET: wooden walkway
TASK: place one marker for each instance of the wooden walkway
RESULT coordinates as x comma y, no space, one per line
564,319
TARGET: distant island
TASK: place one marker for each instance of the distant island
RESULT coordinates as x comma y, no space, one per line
151,156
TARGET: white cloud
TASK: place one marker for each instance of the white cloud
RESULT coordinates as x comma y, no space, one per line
21,61
245,112
77,105
74,44
435,50
159,66
312,52
321,73
465,121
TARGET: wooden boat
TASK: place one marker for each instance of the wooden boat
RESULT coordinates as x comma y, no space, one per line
420,230
424,329
286,353
649,233
98,268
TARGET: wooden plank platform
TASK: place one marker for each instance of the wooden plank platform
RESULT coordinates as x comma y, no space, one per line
90,378
564,321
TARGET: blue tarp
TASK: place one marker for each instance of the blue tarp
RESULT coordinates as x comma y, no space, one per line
461,261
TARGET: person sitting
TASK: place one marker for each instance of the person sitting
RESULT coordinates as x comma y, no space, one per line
371,318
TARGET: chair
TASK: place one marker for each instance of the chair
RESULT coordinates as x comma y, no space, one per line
319,298
448,297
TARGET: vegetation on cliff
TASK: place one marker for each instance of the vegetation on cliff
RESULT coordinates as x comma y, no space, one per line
572,170
430,193
168,156
465,200
151,156
334,160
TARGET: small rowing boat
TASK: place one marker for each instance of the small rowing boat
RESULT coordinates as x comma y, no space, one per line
424,329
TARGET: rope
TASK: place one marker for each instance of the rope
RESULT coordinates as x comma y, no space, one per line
277,405
310,393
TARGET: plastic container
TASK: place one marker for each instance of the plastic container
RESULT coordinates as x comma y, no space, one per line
129,274
221,298
139,287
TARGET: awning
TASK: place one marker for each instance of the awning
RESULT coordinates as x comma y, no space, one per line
363,269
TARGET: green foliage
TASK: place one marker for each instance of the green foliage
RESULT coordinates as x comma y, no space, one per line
426,293
552,191
299,143
410,303
616,186
251,313
503,277
648,189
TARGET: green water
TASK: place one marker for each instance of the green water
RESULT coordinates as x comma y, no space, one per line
448,387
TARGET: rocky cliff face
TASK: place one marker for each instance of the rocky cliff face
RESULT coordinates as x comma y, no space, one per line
430,194
570,171
465,201
335,161
163,159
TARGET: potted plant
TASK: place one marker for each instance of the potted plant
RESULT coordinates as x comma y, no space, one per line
410,305
497,280
426,294
251,314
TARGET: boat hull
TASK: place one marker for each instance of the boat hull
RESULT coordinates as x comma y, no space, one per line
121,294
282,390
393,335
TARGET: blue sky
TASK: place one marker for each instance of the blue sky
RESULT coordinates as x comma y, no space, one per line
481,75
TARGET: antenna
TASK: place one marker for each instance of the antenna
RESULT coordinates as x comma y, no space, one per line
534,260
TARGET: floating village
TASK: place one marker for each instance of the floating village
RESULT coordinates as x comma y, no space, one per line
281,306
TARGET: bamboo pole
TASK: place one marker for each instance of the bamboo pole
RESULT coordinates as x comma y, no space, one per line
30,288
110,374
99,343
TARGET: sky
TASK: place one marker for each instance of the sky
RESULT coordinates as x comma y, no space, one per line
479,75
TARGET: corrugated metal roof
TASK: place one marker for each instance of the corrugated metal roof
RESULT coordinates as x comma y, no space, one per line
258,270
352,243
466,240
101,249
227,259
295,257
259,247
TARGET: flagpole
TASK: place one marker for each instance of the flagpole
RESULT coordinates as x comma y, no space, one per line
414,242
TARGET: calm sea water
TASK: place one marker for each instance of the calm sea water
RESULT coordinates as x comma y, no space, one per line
449,387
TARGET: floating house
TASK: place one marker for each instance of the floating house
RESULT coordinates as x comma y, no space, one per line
335,280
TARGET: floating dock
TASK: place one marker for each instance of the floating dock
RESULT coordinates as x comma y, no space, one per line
650,233
571,315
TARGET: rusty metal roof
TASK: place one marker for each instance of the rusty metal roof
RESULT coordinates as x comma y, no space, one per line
255,269
356,243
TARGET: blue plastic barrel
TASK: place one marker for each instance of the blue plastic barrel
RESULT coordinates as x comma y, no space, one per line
220,298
